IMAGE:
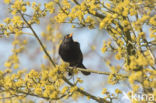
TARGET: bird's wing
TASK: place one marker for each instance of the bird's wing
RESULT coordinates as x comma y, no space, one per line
77,45
60,49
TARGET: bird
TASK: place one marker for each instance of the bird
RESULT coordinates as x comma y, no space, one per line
70,52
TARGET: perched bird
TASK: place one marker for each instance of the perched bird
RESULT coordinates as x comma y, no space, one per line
70,52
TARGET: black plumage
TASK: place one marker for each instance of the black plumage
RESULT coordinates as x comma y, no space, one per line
70,52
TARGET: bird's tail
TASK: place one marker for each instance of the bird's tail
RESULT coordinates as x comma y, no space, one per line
83,67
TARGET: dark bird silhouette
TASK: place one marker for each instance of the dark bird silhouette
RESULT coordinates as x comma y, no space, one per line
70,52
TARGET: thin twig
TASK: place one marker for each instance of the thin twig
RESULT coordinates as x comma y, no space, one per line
38,39
98,72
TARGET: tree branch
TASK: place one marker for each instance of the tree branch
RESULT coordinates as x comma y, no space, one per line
98,72
38,39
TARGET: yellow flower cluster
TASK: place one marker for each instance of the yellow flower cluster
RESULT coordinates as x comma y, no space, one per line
106,21
18,5
142,60
118,91
50,7
152,20
12,26
45,84
113,79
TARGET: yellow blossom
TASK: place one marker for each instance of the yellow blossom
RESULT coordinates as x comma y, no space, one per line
8,64
38,91
16,66
7,20
64,89
117,91
104,91
53,94
49,6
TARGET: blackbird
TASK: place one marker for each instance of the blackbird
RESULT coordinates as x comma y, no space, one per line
70,52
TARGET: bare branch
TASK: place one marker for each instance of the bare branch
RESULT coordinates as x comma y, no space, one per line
98,72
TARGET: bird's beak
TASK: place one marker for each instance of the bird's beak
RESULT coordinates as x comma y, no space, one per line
70,35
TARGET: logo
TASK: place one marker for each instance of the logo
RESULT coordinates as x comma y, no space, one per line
125,98
137,97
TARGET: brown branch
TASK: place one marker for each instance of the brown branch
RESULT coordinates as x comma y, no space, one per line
98,72
38,39
148,47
